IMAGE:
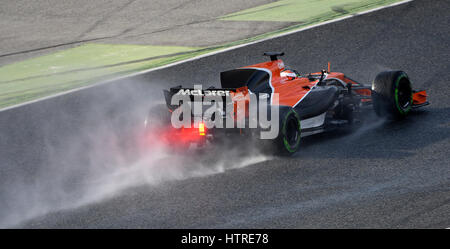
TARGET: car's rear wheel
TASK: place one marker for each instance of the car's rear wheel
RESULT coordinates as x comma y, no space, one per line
288,140
392,94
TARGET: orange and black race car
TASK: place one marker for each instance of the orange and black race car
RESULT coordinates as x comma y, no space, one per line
308,104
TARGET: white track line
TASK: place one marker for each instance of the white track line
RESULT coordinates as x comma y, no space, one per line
208,54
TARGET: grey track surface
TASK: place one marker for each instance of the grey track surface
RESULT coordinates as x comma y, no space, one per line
31,28
389,175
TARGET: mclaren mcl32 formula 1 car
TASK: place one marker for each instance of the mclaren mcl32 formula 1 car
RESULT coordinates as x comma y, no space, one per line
307,104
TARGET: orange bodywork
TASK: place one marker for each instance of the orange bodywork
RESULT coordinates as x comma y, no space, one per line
291,90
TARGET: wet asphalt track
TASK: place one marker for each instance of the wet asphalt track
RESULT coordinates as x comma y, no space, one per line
390,175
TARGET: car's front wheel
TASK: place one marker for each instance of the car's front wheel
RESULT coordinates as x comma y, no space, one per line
392,94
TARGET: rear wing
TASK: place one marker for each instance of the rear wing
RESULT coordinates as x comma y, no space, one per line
193,93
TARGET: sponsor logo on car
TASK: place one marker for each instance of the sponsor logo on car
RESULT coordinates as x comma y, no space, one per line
200,92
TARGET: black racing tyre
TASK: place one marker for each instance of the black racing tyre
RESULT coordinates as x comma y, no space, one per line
288,140
392,94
